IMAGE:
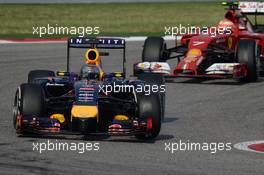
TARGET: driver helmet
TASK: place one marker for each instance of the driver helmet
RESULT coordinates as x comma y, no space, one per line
226,25
90,72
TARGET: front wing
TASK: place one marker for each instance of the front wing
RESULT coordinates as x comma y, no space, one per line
49,126
216,71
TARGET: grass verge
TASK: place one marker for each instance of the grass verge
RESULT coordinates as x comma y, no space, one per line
118,19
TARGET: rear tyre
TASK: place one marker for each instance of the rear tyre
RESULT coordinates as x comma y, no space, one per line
154,50
247,54
34,74
149,108
29,100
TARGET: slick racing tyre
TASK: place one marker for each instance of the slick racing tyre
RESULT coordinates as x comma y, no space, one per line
247,54
29,100
149,109
34,74
156,79
154,50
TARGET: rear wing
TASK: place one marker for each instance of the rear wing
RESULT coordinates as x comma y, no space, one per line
256,9
252,7
246,6
105,43
99,43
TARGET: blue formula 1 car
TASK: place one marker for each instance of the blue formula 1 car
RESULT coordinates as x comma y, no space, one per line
85,102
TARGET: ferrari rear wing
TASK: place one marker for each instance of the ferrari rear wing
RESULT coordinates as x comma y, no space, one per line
99,43
251,7
256,9
246,6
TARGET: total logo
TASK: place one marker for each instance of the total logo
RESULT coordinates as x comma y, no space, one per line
252,146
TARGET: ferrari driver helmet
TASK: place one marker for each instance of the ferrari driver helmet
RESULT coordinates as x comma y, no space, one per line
90,72
227,25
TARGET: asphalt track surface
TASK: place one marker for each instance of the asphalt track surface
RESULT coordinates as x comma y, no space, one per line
212,111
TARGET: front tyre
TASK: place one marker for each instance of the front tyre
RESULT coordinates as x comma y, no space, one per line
156,79
154,50
29,101
247,54
149,109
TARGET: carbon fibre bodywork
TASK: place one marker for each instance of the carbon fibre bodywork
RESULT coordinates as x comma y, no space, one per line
78,104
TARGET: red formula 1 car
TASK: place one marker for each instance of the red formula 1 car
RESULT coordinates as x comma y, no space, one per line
235,50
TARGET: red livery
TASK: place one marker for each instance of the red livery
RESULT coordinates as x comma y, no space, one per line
234,49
